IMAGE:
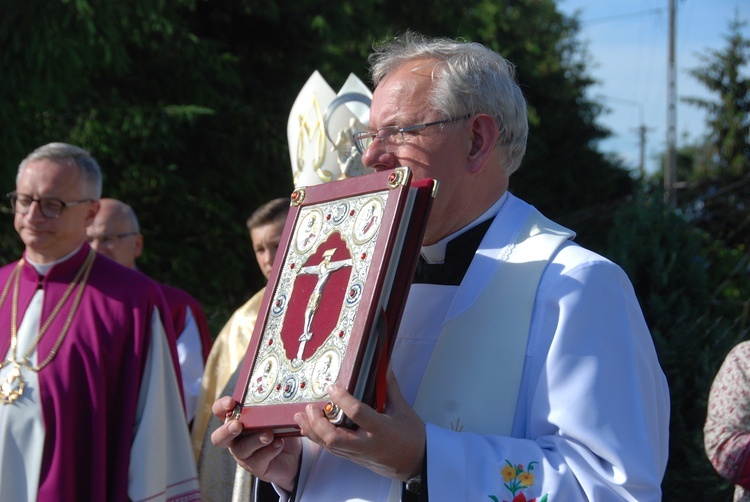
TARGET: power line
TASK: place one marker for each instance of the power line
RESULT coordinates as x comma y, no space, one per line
617,17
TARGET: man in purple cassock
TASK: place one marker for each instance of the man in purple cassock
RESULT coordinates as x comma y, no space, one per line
116,234
90,394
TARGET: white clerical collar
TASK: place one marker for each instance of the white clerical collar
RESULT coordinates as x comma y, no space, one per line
435,253
42,269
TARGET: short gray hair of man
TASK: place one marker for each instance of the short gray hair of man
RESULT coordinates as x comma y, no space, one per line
469,78
91,173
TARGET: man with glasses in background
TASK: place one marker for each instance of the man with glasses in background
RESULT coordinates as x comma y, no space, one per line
116,234
523,368
90,401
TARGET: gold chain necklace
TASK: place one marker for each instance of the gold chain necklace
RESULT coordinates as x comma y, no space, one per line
12,386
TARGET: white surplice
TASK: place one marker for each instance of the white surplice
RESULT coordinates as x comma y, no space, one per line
190,355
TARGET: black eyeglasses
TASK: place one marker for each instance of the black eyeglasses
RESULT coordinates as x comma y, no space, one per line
49,206
389,136
110,239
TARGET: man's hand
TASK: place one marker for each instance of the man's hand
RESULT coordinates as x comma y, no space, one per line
271,459
391,444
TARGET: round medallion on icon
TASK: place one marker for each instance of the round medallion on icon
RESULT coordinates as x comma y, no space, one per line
325,372
308,231
368,221
264,378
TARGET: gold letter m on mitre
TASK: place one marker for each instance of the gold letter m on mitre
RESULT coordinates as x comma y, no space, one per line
311,144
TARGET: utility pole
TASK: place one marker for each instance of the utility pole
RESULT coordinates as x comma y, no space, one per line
670,164
641,130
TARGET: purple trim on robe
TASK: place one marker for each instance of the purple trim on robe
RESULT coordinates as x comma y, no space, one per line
89,392
179,300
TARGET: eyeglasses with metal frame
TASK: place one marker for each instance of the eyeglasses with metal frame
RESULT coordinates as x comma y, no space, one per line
109,239
388,135
49,206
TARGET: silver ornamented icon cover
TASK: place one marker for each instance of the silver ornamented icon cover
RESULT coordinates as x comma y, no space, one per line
334,299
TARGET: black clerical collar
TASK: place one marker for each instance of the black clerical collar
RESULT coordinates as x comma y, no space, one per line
458,255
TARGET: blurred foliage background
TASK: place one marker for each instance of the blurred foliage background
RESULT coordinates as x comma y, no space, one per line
185,104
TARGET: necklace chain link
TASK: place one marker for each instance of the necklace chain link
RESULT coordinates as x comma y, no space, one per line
11,387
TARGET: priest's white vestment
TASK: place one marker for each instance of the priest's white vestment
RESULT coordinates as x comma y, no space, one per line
590,421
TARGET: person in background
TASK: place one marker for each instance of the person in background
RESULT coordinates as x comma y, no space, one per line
89,382
727,428
116,234
523,367
219,475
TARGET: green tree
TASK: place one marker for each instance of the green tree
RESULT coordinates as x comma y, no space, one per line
551,64
729,117
674,272
712,208
185,105
563,174
716,197
164,112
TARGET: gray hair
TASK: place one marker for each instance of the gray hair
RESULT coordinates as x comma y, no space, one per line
91,174
468,78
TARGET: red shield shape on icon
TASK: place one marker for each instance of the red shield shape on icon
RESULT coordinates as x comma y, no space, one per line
319,292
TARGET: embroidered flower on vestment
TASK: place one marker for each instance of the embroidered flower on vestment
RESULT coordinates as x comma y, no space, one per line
508,472
517,478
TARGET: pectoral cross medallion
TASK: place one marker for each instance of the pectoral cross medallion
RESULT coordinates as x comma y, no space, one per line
11,387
